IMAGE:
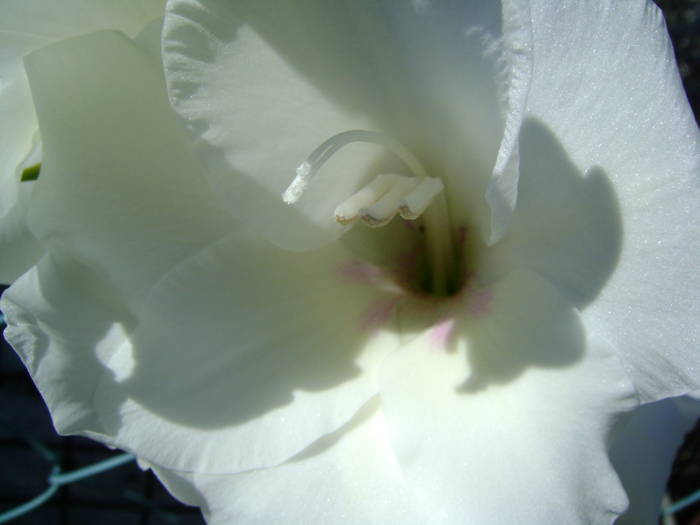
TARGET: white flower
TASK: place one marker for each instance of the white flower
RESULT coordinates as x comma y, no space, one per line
276,365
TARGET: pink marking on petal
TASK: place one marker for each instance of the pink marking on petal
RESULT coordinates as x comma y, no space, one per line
462,233
481,302
379,313
441,332
409,259
409,224
361,272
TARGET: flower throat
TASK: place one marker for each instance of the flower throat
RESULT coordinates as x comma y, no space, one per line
415,196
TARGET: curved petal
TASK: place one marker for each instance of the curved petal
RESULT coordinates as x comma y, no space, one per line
65,322
502,190
261,87
118,186
348,478
621,106
244,355
643,453
27,25
529,449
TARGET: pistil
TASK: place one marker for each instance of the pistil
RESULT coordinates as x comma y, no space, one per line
440,246
414,196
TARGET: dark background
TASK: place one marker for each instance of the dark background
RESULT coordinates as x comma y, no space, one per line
126,495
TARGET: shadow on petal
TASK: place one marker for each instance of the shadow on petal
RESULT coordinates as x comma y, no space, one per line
527,323
521,308
66,323
249,344
235,331
567,225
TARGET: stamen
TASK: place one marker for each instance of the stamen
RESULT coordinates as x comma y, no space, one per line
349,210
382,211
325,151
415,203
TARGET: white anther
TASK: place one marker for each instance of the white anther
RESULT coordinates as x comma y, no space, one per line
417,201
388,194
383,210
349,210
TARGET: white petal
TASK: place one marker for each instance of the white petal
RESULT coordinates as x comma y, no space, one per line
149,40
644,450
260,88
55,21
606,84
118,186
27,25
348,478
502,191
19,249
65,323
245,354
509,424
17,123
17,126
567,225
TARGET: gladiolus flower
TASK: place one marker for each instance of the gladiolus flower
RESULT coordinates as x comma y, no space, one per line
366,262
